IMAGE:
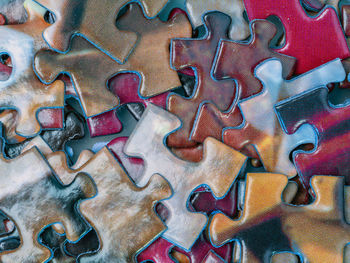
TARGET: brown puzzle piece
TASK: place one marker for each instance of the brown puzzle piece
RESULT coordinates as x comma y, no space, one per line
238,60
96,21
90,82
318,231
199,54
121,213
23,90
33,198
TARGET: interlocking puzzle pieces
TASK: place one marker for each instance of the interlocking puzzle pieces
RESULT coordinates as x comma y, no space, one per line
237,61
90,82
96,22
13,11
23,91
323,46
332,125
234,8
218,170
34,198
125,87
262,128
121,213
199,54
268,225
201,201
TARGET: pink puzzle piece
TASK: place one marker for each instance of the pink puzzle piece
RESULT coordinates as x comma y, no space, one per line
125,86
312,40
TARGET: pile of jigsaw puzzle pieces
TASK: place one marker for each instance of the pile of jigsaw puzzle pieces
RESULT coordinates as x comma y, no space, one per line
189,131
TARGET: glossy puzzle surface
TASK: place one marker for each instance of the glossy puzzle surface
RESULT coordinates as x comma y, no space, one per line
175,131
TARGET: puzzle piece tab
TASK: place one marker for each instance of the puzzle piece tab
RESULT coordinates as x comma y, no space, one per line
90,82
95,21
33,198
268,225
322,45
234,8
218,170
121,213
202,201
237,61
330,157
262,128
23,91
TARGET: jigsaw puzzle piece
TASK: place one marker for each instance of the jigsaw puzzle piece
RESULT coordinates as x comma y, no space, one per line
281,227
237,60
96,23
262,128
34,198
90,82
234,8
13,11
125,87
323,45
183,226
21,42
155,37
202,200
119,239
199,54
332,125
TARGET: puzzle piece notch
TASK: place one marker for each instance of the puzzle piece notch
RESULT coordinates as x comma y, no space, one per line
324,215
202,200
126,203
199,54
318,5
234,8
31,182
237,61
21,42
294,17
332,125
183,176
125,87
90,83
272,144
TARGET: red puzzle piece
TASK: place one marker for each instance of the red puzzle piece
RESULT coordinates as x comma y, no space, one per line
199,54
332,154
125,86
312,40
237,61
